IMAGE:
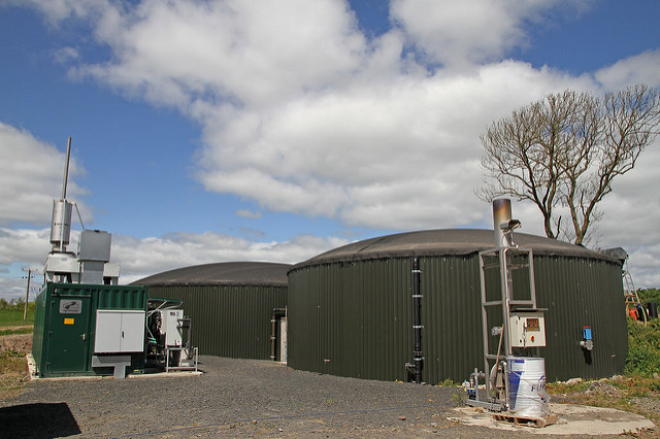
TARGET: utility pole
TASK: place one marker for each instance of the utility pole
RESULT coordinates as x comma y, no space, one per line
27,294
27,290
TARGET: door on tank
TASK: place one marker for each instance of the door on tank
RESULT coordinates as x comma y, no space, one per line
68,339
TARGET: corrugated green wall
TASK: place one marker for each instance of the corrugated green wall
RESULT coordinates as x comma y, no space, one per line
355,319
582,292
228,320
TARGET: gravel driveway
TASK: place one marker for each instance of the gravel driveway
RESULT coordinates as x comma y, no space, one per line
233,398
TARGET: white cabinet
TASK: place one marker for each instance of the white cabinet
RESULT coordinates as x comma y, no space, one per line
171,326
119,331
526,329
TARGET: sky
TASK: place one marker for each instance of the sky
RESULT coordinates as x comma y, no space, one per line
273,130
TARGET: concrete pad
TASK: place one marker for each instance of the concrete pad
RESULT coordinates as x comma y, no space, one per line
573,419
32,367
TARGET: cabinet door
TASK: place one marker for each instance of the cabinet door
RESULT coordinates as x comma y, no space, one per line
119,331
132,331
108,331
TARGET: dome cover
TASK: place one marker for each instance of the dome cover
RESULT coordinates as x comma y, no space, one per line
226,273
444,242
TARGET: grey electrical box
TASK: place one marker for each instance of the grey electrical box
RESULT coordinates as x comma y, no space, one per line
171,326
119,331
94,245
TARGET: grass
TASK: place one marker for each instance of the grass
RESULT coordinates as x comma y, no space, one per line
630,393
16,331
15,318
13,373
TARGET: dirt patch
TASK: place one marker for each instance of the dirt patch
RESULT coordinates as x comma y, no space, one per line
13,367
601,388
21,343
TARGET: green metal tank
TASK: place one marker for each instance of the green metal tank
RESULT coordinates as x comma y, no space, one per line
65,339
231,304
350,310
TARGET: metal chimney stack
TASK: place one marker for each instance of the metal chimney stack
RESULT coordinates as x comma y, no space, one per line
60,230
504,225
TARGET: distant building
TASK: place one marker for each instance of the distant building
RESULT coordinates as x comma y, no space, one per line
230,304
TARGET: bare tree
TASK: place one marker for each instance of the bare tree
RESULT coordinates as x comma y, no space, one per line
563,152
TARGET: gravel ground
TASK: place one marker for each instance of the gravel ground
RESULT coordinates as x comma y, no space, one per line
234,398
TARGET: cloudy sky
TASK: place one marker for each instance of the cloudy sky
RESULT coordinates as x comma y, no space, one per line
273,130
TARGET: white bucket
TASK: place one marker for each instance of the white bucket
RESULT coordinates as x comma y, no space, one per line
526,387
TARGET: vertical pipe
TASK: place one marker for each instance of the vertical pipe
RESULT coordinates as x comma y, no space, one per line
64,184
66,169
503,241
417,323
507,296
273,337
484,322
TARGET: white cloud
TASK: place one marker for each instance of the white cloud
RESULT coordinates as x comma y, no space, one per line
630,217
139,258
66,54
639,69
21,248
394,154
31,174
142,257
457,33
301,113
249,52
247,213
30,246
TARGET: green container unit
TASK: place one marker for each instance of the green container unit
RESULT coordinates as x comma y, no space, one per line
79,329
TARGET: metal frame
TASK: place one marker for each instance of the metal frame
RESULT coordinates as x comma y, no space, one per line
167,359
507,303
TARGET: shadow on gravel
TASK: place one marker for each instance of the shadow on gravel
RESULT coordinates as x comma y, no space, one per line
38,421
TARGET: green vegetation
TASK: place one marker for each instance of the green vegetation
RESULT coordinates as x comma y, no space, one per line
13,367
644,341
650,295
643,348
11,313
13,373
17,331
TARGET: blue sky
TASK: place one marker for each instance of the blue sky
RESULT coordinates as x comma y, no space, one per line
226,130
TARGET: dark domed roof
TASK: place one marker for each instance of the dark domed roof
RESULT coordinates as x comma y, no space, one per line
444,242
227,273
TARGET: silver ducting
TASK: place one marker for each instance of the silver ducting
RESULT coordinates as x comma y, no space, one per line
504,225
60,229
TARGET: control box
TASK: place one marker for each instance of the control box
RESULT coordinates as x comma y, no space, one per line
171,327
526,329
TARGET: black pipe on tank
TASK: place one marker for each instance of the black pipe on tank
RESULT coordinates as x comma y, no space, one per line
417,367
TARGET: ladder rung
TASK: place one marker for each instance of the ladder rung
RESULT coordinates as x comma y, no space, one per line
517,266
497,302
